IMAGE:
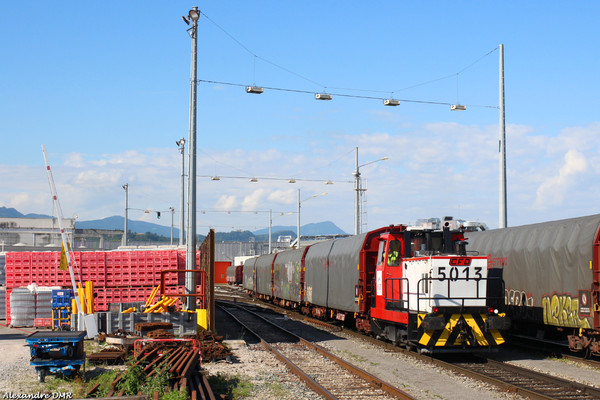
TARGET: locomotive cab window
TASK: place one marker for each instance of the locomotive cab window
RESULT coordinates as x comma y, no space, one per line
393,255
426,243
381,252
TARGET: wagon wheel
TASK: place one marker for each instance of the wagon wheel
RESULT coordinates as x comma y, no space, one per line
587,352
41,375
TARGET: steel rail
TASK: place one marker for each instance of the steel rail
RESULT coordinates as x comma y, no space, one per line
310,382
373,380
370,379
551,348
504,385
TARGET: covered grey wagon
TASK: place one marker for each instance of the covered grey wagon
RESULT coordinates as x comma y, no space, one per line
551,273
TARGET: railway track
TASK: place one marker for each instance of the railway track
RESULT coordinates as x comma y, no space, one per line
323,372
528,383
507,377
553,349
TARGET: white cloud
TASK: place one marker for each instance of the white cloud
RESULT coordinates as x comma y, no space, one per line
74,160
97,178
24,201
554,188
226,203
433,170
283,196
254,200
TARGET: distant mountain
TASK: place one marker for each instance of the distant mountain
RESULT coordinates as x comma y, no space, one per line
12,213
117,223
313,229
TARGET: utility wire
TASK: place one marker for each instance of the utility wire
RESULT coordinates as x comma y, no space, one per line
450,75
271,178
341,94
256,56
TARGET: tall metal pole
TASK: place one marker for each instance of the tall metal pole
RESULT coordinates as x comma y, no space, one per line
181,144
270,223
298,227
357,197
124,239
172,215
190,262
502,132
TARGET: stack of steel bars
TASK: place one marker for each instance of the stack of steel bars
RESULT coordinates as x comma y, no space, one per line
181,357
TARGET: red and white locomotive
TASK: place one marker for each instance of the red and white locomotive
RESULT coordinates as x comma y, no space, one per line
414,287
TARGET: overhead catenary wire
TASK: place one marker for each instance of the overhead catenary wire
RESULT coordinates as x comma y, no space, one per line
328,165
272,178
324,87
259,57
445,103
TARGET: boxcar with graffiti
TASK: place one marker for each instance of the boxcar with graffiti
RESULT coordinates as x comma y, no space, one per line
552,277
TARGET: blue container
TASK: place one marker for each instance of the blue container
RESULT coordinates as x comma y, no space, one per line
61,298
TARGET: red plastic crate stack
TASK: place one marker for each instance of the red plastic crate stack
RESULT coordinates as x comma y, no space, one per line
18,269
8,318
181,257
93,267
118,276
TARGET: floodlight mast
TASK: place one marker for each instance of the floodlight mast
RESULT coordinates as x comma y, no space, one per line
181,144
358,192
190,261
502,145
124,239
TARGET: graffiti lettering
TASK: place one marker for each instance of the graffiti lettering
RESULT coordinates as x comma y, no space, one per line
497,261
517,298
563,310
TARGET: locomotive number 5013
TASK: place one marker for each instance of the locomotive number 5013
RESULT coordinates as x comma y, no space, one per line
455,273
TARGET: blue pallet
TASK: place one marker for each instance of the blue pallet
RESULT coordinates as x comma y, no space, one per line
61,298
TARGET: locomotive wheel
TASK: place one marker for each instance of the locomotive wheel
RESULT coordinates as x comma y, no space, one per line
587,352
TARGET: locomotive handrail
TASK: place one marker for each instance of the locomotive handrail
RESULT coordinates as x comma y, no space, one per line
404,298
461,299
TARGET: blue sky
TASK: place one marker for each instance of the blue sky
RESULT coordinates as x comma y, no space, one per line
105,86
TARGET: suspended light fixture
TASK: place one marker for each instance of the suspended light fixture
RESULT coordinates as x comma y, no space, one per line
323,96
328,182
458,107
254,89
292,180
253,180
391,102
216,178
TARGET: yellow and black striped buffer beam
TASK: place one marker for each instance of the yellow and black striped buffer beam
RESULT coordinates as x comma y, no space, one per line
460,330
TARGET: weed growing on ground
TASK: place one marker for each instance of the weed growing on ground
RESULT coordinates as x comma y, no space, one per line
159,382
277,389
175,395
132,381
234,387
105,380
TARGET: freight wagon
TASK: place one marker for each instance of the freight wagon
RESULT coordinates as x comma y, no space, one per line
235,274
414,287
552,275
